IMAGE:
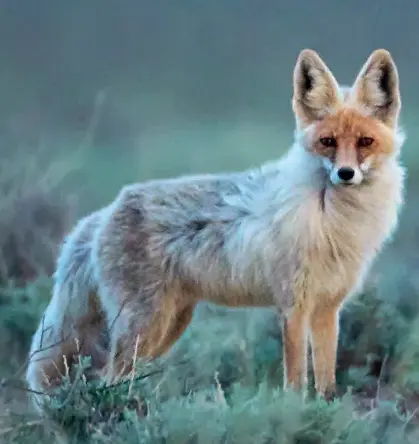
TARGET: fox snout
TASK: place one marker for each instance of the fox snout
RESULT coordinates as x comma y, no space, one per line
343,163
343,173
346,175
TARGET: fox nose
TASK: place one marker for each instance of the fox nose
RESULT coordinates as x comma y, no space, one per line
346,173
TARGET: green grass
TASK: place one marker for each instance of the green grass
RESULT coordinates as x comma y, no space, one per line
221,384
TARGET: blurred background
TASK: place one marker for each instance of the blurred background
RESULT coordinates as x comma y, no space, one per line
95,94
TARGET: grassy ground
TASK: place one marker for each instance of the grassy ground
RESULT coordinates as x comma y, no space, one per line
220,383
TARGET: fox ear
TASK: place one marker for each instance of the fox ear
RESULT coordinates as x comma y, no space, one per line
316,92
376,88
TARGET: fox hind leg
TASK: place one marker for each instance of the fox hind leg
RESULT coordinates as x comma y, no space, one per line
146,334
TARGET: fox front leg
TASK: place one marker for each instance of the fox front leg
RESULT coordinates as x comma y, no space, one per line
294,339
324,342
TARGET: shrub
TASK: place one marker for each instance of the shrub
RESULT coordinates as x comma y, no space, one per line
35,215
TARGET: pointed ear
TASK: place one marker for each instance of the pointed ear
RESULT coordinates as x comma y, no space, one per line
316,92
376,88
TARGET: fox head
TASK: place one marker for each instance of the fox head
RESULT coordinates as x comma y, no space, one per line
353,130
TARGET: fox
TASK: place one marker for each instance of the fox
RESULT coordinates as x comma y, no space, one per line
298,234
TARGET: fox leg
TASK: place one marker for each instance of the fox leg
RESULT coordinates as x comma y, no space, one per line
125,335
146,336
160,343
294,339
324,341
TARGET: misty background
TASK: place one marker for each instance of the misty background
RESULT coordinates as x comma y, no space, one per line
95,94
159,88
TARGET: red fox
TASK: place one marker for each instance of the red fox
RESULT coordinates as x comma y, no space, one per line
298,234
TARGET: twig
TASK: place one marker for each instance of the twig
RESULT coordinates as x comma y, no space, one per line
17,427
134,361
39,350
139,377
220,391
377,396
94,121
410,419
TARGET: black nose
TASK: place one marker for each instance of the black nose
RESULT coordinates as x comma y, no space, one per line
346,173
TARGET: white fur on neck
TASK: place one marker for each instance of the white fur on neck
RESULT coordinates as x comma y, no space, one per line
299,216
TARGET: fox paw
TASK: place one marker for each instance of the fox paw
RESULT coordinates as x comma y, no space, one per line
330,394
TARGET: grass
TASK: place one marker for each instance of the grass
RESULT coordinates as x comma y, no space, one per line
220,384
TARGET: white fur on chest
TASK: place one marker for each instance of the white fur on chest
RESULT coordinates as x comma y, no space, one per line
339,240
320,246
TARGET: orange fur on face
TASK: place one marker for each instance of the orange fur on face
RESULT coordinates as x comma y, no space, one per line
347,126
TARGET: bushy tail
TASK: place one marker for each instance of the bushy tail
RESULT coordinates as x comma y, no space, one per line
73,324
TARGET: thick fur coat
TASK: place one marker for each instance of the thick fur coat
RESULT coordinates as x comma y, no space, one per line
295,233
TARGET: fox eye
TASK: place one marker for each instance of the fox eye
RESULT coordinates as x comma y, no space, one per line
364,142
329,142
